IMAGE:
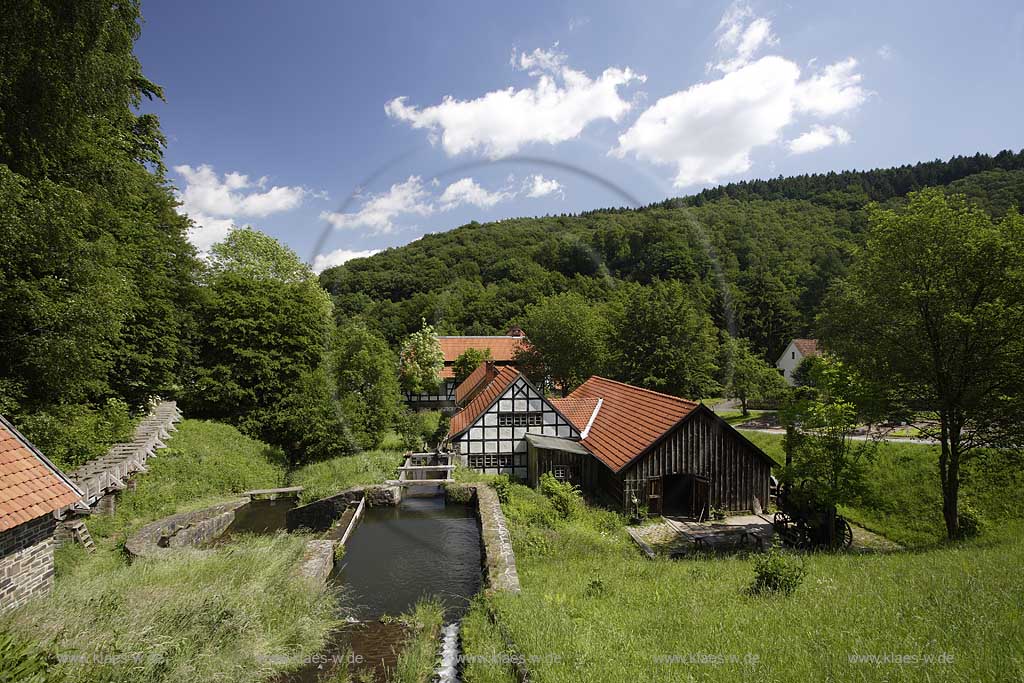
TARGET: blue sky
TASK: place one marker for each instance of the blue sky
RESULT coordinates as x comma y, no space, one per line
342,128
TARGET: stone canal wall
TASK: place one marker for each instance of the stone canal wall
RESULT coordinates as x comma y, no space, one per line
182,530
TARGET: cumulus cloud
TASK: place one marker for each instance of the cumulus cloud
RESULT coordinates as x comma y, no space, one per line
215,202
741,35
234,194
559,105
818,137
709,130
467,191
339,256
537,186
380,210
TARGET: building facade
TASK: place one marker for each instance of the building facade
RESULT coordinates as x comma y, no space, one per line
795,352
31,491
628,446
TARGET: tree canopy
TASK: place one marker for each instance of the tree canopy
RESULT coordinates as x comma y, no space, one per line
933,308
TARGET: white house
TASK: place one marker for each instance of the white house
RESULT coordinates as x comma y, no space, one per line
797,350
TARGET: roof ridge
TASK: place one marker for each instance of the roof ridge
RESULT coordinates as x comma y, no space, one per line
636,388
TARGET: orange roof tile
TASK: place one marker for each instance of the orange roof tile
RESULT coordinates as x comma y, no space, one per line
807,347
630,420
30,486
484,372
503,349
463,419
576,410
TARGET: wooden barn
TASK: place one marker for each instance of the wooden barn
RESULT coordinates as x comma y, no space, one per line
616,441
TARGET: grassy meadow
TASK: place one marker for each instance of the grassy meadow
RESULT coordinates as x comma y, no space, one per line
593,609
229,614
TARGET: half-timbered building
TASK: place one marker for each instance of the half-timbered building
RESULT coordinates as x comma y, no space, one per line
501,408
502,350
626,445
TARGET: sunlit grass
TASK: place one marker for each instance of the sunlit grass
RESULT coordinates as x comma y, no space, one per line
327,477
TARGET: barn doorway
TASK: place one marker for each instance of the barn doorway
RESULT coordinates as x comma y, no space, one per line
687,495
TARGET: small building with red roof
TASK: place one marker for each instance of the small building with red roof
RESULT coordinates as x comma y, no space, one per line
32,489
624,444
795,353
503,350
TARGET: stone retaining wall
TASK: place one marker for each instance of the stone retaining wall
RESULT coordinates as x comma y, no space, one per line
321,514
185,529
499,559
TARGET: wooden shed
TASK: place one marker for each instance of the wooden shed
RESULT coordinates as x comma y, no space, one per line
673,455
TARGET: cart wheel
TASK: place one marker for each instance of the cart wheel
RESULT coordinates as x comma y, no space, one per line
844,533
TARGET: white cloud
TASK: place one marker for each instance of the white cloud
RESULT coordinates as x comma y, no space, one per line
709,130
741,35
467,191
206,231
835,90
886,52
207,193
339,256
561,103
817,138
214,203
380,210
537,186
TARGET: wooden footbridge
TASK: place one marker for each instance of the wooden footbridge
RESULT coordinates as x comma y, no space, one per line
109,473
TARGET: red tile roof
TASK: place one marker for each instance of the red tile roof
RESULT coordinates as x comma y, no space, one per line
576,410
30,486
484,373
807,347
503,349
631,419
463,419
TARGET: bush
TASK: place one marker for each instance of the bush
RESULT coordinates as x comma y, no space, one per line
72,435
564,497
777,573
972,523
502,486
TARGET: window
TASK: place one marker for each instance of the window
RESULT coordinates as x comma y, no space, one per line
561,473
520,419
479,461
794,354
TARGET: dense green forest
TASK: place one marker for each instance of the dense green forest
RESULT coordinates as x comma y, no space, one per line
105,302
758,255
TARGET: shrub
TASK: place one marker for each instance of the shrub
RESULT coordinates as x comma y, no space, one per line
776,572
71,435
564,497
502,486
972,523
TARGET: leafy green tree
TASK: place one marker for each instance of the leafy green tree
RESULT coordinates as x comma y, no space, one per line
749,377
263,337
567,341
307,422
663,340
827,466
933,308
468,361
421,361
366,373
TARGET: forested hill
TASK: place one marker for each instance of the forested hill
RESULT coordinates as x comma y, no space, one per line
757,256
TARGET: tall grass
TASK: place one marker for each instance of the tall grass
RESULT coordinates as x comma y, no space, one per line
418,658
592,609
327,477
236,614
204,462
